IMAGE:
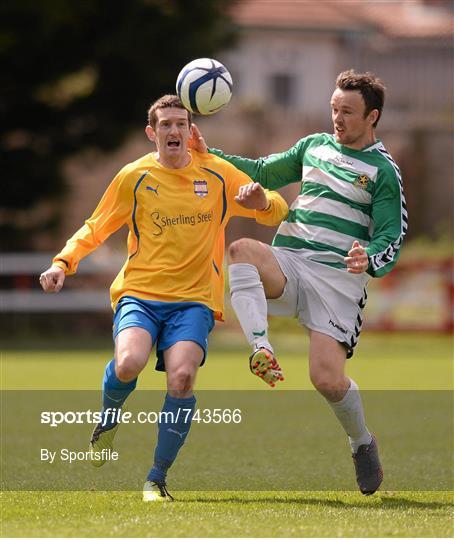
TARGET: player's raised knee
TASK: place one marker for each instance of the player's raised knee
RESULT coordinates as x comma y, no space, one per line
128,366
242,251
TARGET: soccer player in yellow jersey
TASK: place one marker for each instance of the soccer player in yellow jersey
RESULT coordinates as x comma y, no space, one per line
176,203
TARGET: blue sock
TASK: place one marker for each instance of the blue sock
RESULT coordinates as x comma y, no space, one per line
114,394
173,430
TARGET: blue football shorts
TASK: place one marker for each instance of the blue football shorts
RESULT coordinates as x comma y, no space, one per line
167,323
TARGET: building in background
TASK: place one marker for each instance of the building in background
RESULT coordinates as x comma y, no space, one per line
285,64
289,52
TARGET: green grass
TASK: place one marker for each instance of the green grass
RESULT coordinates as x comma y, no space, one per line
239,514
383,362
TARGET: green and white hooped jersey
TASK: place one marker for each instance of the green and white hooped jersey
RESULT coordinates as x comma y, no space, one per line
345,195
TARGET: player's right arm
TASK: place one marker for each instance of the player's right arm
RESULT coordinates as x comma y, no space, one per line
272,172
111,213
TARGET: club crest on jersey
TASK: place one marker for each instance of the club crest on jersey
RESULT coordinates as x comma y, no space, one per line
362,181
200,188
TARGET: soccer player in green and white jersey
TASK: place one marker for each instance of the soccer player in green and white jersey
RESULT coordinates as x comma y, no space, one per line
346,225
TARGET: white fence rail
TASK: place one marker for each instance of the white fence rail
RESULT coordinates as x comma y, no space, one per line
64,301
25,298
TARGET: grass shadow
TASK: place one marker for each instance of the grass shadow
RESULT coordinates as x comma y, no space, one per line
379,501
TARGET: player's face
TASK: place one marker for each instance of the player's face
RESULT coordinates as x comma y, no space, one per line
171,134
351,128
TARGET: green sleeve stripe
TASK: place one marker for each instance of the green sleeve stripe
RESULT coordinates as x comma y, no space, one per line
273,171
336,224
298,243
319,190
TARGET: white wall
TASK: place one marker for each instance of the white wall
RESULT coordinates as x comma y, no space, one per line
311,59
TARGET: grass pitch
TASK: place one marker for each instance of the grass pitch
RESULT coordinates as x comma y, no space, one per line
381,363
226,514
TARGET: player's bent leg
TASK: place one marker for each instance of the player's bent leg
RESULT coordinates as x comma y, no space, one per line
327,359
327,363
260,255
255,275
132,348
182,361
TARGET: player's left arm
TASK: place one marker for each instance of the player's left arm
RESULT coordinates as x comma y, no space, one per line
250,199
272,172
389,219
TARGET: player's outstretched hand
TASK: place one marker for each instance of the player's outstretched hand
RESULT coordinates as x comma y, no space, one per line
357,260
252,196
52,279
197,142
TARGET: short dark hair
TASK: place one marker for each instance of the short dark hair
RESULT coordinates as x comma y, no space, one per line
165,102
371,87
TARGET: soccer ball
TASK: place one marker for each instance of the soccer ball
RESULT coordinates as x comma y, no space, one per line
204,86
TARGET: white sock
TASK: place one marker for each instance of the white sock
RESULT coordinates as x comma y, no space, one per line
249,303
350,413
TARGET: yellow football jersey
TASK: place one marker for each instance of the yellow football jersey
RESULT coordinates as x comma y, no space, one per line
176,220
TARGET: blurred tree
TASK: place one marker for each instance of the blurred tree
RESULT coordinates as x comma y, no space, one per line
82,74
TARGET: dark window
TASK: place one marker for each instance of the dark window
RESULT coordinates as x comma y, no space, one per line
282,89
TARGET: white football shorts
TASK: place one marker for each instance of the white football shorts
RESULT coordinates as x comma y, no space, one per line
325,299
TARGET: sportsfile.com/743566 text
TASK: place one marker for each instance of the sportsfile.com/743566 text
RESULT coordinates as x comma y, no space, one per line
201,416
